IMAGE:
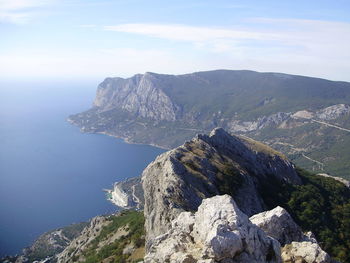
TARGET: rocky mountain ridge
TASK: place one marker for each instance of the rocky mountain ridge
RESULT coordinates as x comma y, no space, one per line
166,110
186,219
208,166
49,244
220,198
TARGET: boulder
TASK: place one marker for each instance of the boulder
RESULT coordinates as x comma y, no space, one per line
278,224
217,232
304,252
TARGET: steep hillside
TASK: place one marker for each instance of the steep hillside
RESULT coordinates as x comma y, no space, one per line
113,238
258,179
49,244
306,118
220,198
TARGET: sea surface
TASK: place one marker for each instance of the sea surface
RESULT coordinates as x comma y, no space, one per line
51,175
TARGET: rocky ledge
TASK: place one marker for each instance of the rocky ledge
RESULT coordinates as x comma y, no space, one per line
220,232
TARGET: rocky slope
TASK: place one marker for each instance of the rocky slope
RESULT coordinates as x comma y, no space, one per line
297,115
222,199
177,184
48,244
112,238
179,179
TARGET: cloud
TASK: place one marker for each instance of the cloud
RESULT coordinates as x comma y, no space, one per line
20,11
281,35
185,33
305,47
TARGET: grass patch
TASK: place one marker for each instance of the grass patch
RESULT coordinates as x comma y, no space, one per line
134,222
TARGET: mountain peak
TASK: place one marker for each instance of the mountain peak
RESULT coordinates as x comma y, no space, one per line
220,163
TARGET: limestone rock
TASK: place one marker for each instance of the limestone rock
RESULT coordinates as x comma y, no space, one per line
206,166
84,240
333,112
217,232
138,95
278,224
304,252
127,194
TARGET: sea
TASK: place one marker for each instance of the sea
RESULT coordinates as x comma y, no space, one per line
51,174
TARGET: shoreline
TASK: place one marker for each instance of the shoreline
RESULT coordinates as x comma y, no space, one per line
125,139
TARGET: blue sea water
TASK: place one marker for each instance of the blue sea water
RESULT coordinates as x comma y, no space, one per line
52,175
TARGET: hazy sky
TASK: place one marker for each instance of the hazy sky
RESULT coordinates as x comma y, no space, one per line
100,38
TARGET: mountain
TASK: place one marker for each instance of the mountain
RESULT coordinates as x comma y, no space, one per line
257,178
305,118
220,198
49,244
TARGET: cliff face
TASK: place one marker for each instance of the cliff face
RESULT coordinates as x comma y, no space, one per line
127,194
206,166
220,199
139,95
296,115
188,219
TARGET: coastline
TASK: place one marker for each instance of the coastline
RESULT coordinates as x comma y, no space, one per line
128,140
125,139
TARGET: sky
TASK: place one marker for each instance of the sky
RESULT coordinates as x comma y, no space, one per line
94,39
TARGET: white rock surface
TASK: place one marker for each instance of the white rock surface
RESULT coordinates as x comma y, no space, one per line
278,224
304,252
139,95
217,232
303,114
333,112
119,197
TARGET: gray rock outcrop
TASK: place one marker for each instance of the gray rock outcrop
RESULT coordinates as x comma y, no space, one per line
138,95
180,179
217,232
83,240
333,112
304,252
127,194
278,224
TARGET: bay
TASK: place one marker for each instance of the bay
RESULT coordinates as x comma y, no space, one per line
51,175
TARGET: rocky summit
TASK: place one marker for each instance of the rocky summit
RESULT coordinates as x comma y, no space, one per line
218,198
188,219
208,165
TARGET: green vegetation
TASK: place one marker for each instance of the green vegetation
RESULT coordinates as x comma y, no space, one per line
133,222
229,180
327,145
320,205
